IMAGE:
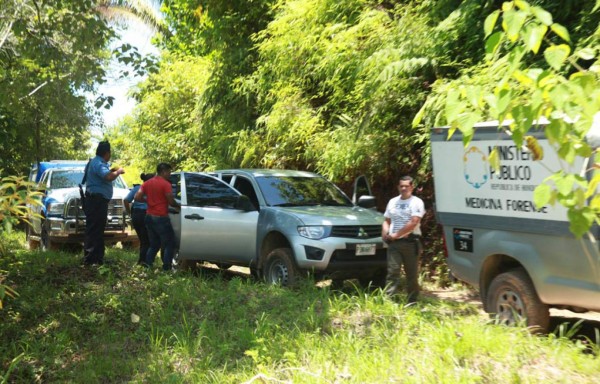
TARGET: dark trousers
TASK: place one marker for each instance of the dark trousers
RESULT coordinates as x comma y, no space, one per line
96,212
138,217
403,253
161,235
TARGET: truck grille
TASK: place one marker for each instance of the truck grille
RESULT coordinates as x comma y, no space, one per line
116,207
74,209
356,231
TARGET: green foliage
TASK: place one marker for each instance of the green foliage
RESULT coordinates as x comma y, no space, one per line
563,87
50,52
165,124
16,198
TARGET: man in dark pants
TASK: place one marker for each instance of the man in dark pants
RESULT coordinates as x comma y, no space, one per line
401,229
137,210
99,190
158,194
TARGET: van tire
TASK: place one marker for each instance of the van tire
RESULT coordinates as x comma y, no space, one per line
512,299
280,268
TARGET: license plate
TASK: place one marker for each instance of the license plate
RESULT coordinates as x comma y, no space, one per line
365,249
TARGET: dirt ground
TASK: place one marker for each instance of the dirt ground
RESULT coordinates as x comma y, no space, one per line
588,327
471,297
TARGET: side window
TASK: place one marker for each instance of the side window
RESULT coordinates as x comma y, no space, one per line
44,180
244,186
361,188
204,191
176,185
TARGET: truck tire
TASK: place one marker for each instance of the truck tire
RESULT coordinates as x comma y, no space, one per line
377,280
184,265
512,299
45,242
280,268
31,244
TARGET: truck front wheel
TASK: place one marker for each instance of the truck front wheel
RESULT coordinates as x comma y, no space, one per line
32,244
512,299
46,243
280,268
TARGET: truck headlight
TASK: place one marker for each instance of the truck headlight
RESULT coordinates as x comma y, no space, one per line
55,209
314,232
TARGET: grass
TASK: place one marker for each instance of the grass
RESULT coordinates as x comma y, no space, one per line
122,324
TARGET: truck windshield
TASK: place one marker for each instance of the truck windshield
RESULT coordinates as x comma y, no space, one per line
294,191
72,178
65,179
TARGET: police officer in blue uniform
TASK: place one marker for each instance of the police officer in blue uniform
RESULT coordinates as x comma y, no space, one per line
98,178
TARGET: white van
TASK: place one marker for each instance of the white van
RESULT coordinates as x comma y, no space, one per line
523,259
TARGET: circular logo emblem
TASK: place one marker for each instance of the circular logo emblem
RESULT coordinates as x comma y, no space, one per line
476,167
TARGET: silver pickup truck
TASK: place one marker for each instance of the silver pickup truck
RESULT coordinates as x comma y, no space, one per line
522,258
280,224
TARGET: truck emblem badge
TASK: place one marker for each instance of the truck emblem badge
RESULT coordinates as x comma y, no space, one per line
476,167
362,232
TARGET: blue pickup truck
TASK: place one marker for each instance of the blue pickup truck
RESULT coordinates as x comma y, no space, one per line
60,219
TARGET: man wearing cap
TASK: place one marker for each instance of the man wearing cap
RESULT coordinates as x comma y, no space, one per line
401,230
98,178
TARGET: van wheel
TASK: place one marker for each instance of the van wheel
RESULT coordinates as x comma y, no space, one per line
281,268
512,299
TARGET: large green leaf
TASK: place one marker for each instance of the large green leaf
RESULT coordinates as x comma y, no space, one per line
534,36
542,15
561,31
581,220
513,21
556,55
490,22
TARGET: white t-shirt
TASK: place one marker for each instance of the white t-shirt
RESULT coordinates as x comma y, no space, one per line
401,211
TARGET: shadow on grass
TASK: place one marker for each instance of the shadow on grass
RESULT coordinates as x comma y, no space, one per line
120,322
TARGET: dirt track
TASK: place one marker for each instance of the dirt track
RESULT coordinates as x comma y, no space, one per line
591,320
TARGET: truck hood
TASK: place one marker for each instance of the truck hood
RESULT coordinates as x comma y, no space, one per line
63,194
322,215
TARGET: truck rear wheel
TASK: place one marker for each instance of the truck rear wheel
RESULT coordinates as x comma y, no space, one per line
512,299
280,268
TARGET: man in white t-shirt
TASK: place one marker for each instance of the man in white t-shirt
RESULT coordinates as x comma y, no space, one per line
401,230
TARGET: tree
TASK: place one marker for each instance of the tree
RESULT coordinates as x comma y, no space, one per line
52,51
534,70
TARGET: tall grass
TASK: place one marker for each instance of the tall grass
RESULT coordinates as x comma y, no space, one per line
120,323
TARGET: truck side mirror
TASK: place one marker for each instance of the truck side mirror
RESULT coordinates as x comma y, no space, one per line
367,202
243,203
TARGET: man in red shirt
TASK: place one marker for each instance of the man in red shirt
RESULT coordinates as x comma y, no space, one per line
158,194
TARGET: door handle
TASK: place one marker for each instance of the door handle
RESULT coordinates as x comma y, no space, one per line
195,216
